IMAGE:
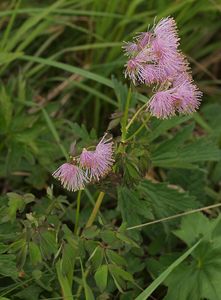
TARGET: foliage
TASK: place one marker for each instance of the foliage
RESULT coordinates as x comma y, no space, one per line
61,68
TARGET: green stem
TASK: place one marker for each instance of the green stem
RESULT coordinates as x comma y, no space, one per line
136,132
95,210
205,208
139,129
125,117
135,116
84,277
77,211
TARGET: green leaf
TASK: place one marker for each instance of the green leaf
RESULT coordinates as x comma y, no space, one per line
31,292
48,244
201,276
8,265
64,282
97,257
21,256
15,203
134,210
37,274
170,144
192,228
193,181
88,292
185,156
91,232
159,127
68,262
108,236
120,273
212,112
126,239
115,258
164,200
120,277
159,280
35,253
18,244
101,277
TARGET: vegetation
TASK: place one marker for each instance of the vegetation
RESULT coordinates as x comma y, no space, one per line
151,229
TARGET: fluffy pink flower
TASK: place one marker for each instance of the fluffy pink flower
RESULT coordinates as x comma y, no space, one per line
187,94
133,69
183,97
161,104
173,64
152,74
87,159
88,162
103,156
105,147
164,47
130,48
71,177
98,163
143,39
155,50
157,60
166,30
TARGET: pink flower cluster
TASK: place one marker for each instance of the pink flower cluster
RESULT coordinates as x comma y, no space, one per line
154,58
89,166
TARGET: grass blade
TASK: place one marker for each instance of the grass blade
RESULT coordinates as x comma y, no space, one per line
69,68
152,287
30,23
10,25
76,70
54,132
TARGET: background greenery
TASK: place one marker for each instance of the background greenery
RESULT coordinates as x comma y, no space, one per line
61,67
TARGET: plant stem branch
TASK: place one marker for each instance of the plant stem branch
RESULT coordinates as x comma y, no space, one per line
175,216
125,117
136,132
135,116
139,129
77,211
95,210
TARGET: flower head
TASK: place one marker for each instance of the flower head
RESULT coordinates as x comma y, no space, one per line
164,48
157,51
183,97
187,94
166,30
143,39
152,74
130,48
133,69
156,59
71,176
90,165
161,104
87,158
102,159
